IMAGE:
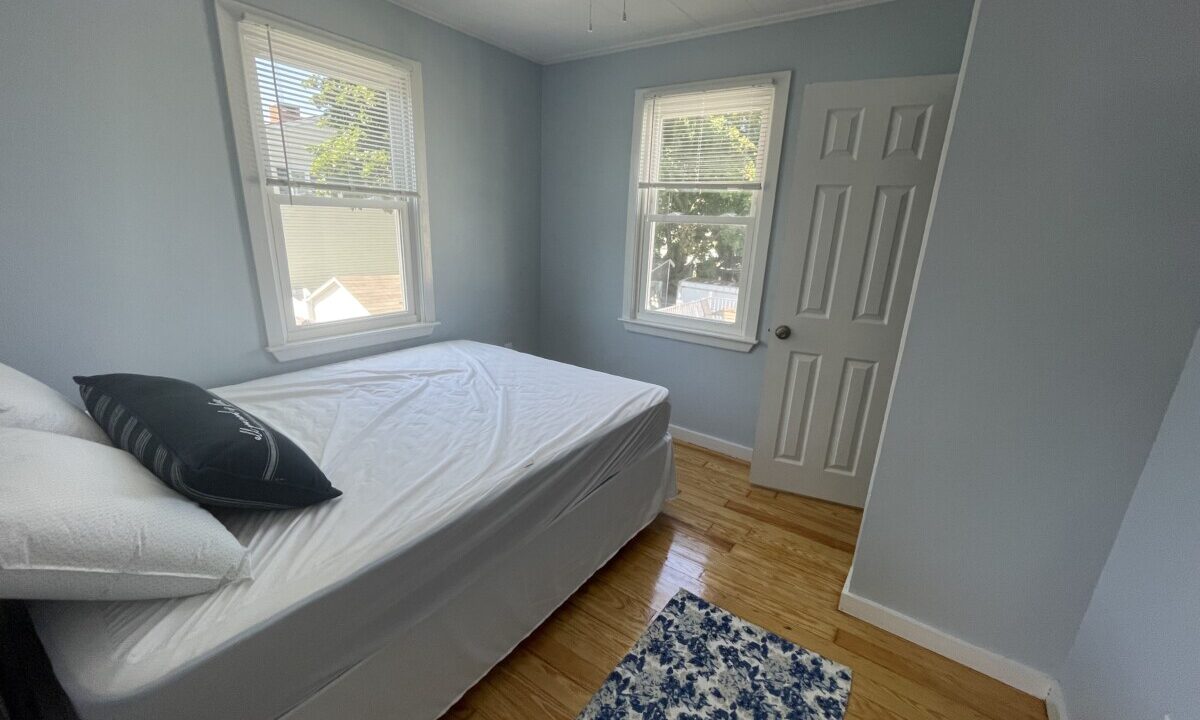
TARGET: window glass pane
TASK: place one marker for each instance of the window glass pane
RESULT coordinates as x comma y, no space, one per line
708,136
343,262
695,270
733,203
330,117
710,147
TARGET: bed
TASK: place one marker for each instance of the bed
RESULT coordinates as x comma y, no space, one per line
482,487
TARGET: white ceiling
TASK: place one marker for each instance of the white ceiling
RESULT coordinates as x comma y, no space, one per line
550,31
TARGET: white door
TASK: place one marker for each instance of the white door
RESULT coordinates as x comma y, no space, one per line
867,158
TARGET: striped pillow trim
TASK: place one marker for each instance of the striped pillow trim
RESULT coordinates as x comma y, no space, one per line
132,436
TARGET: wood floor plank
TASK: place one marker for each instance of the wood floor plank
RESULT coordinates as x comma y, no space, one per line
589,637
505,695
810,559
863,708
588,669
681,552
554,681
793,525
721,520
776,560
461,711
837,513
944,675
692,533
687,450
815,515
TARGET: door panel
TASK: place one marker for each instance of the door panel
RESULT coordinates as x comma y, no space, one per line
824,244
868,157
849,415
889,226
797,406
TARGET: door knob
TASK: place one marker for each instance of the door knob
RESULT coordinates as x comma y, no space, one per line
783,332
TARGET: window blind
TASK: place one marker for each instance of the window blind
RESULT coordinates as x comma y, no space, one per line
715,138
328,120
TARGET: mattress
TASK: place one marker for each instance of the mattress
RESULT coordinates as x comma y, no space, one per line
450,456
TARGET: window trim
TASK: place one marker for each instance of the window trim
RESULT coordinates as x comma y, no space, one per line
741,335
285,340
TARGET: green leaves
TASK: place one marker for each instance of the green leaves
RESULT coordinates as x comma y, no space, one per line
704,202
358,151
708,253
693,249
710,147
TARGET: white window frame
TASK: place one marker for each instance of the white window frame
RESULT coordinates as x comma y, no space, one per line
742,334
285,339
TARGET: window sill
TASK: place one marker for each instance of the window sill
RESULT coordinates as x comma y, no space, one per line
351,341
724,341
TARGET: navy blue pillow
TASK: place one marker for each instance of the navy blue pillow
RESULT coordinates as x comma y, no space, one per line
204,447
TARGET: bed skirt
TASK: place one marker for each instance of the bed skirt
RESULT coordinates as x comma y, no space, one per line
420,674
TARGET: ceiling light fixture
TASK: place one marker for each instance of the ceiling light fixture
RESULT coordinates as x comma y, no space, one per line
624,13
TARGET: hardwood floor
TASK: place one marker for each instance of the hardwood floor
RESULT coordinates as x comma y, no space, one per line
775,559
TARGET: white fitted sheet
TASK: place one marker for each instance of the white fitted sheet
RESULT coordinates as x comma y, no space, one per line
449,455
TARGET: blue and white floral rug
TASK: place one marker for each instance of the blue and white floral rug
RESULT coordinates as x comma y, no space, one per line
697,662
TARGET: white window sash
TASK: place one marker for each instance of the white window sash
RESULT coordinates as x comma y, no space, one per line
646,184
747,220
743,333
321,60
285,339
684,322
332,328
331,187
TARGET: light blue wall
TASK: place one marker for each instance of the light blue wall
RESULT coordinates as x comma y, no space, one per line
1137,654
122,239
1059,297
587,123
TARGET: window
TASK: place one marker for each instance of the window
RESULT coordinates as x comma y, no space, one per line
702,189
330,146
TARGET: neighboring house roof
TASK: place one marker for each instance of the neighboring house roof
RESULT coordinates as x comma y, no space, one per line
701,308
378,294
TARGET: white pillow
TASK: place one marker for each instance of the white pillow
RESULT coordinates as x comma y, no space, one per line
84,521
27,403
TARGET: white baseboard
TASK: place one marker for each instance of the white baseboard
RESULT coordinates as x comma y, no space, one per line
708,442
1006,670
1056,704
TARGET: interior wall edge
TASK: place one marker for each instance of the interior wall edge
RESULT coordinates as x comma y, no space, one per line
711,442
1007,670
933,201
1010,456
1056,703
